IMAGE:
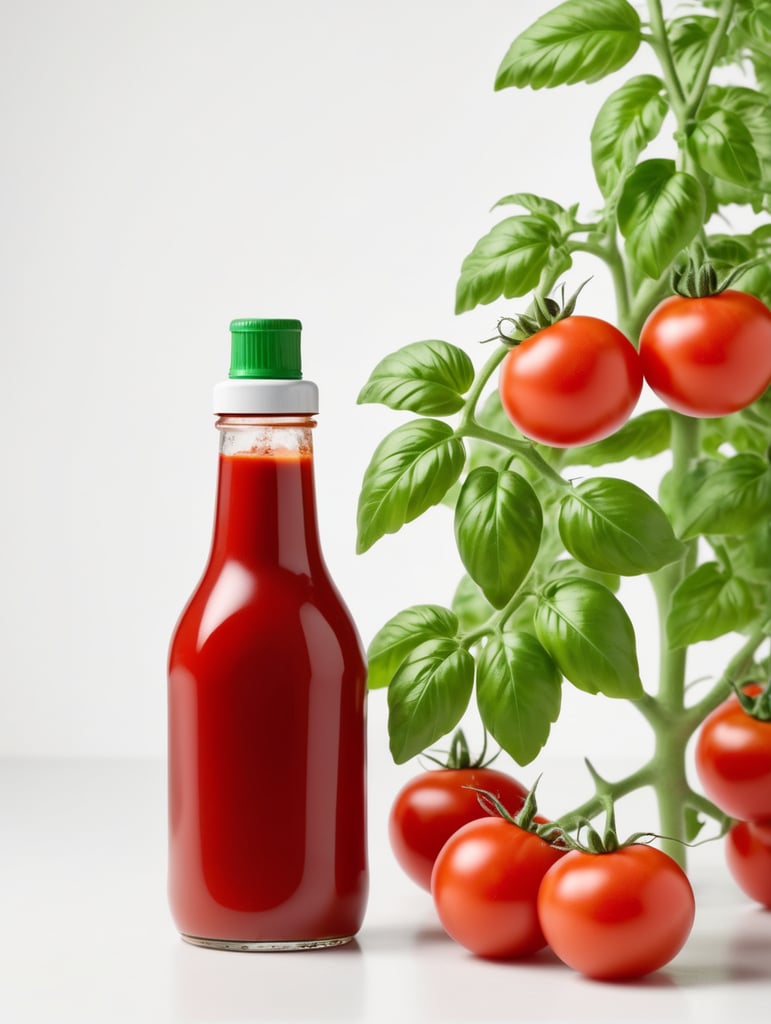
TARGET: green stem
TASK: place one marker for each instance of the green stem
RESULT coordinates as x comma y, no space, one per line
670,726
701,81
606,791
664,53
735,668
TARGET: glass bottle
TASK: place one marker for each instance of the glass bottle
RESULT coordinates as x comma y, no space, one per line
266,687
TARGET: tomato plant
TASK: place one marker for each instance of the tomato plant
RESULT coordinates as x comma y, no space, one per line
708,356
733,760
546,534
485,886
748,854
614,915
434,805
573,382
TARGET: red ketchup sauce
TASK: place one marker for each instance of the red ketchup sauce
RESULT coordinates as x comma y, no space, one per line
266,724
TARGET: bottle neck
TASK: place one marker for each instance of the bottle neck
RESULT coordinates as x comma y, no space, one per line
266,503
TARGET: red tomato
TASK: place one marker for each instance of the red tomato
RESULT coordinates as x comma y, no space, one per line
709,356
485,887
572,383
733,760
748,854
434,805
616,915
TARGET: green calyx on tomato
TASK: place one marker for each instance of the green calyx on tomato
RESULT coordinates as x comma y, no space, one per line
698,278
526,818
755,701
459,755
545,312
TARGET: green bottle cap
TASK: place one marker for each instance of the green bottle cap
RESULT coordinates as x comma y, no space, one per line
265,349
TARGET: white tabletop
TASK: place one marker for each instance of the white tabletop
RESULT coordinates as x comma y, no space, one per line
86,936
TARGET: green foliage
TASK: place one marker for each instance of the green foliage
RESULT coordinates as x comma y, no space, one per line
543,552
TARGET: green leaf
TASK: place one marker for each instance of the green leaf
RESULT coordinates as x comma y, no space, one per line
628,120
689,38
589,635
578,41
519,690
723,497
533,204
660,211
470,605
429,377
572,567
411,469
498,522
507,262
707,604
428,696
723,146
400,636
640,438
614,526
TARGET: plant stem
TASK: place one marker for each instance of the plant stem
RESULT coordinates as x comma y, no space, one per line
671,729
701,81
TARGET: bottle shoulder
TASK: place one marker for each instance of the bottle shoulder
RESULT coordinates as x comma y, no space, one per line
245,604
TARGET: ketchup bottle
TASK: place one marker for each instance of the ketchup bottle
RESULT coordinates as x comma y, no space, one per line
266,687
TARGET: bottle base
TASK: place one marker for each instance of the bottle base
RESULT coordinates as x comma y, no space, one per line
279,946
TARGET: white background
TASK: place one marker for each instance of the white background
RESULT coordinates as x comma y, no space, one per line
164,167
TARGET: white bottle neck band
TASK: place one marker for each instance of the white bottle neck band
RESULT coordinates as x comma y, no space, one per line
251,397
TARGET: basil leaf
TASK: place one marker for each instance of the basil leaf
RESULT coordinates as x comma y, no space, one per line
534,204
578,41
640,438
628,120
723,146
689,38
614,526
571,567
428,696
590,637
401,635
519,691
411,469
429,377
719,497
659,212
498,522
707,604
507,261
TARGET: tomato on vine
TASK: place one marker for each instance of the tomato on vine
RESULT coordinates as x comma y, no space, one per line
432,806
748,855
708,355
733,755
572,382
485,884
618,914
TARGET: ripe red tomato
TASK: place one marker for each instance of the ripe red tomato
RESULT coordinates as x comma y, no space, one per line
572,383
434,805
748,854
616,915
708,356
733,760
485,887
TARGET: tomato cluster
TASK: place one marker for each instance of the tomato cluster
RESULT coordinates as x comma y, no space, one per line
578,379
504,890
733,761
